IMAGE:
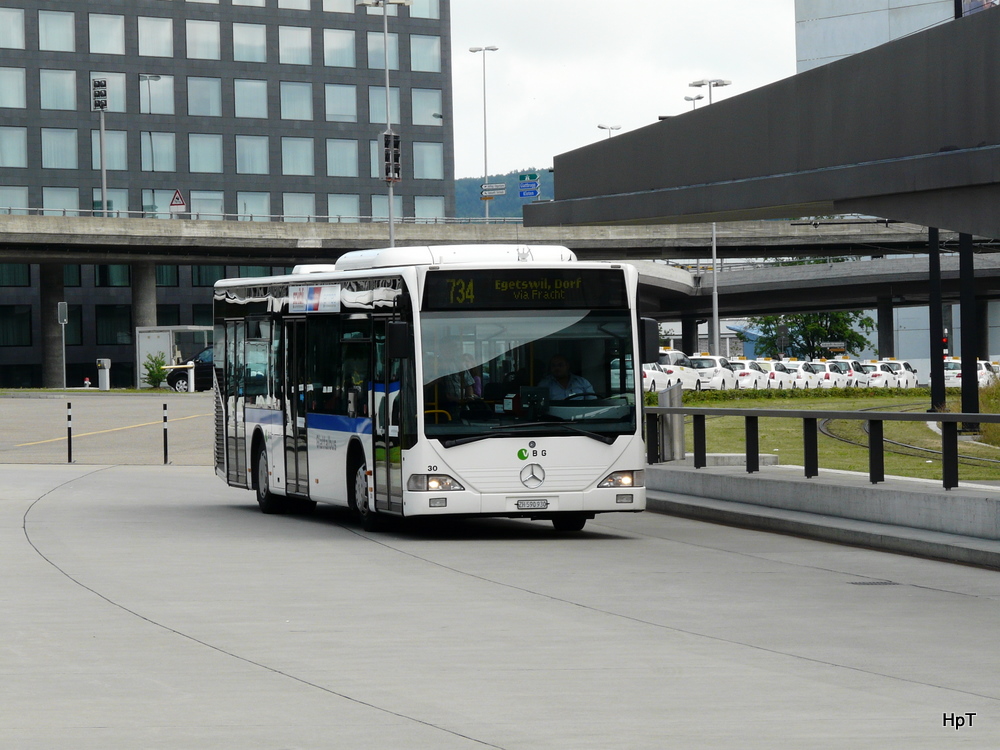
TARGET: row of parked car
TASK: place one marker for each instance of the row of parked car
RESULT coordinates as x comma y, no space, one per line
704,372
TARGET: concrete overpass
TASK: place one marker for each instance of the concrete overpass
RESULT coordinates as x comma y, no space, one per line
65,239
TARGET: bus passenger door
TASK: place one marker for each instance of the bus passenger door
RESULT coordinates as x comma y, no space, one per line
233,393
296,456
386,426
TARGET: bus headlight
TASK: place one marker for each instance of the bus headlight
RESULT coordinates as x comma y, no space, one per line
623,479
432,483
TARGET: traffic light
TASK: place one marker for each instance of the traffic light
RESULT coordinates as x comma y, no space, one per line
391,168
100,94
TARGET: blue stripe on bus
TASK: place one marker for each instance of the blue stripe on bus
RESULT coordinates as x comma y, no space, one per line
339,423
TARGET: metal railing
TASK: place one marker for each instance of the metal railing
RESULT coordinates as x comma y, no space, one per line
114,213
810,421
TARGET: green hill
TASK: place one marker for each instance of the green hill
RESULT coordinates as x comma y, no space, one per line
468,189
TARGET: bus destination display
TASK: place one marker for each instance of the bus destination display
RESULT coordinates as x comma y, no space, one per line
512,289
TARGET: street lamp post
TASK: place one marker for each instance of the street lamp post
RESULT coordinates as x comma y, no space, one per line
694,99
712,83
609,128
486,169
389,138
147,77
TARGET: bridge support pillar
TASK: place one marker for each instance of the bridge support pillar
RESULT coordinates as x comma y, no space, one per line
143,298
50,287
689,336
970,328
936,320
886,332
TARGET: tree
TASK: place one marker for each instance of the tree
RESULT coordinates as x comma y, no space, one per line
803,335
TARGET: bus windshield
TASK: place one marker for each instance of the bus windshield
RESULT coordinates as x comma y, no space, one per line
549,372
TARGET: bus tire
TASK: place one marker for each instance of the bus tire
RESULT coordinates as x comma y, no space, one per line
360,496
569,522
267,500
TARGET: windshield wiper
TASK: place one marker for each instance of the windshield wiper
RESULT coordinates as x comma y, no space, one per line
514,430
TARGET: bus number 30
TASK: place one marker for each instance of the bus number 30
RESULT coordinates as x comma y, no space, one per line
461,291
432,468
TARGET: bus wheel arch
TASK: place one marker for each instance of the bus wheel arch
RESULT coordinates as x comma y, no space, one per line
358,487
260,478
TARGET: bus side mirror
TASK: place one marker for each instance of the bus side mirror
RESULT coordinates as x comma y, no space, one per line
398,340
649,340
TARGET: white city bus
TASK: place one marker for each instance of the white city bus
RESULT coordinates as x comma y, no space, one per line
410,382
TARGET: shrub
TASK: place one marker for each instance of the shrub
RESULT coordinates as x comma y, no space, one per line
155,367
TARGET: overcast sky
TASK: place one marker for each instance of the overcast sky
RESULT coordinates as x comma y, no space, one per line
565,66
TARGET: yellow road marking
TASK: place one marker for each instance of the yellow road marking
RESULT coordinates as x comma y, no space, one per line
113,429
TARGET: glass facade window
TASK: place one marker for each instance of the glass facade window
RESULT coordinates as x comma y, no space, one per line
15,274
56,31
204,153
13,198
251,3
59,149
338,6
156,204
115,87
113,325
376,104
107,34
251,98
12,88
428,208
249,42
380,207
376,50
428,161
341,157
207,204
205,97
158,153
294,4
112,275
253,206
202,315
203,41
344,208
296,101
15,325
341,103
71,275
156,94
294,45
11,28
168,315
427,108
299,206
338,48
297,157
57,89
425,53
74,324
13,147
252,154
115,150
117,203
167,276
156,37
207,275
425,9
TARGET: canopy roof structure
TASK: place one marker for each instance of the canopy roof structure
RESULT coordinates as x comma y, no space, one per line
908,131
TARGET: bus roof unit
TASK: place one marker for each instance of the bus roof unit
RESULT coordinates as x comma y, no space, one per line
439,255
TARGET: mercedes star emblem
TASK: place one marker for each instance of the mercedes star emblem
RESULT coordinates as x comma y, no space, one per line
532,476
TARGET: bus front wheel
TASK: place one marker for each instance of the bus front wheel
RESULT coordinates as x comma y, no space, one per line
569,522
267,500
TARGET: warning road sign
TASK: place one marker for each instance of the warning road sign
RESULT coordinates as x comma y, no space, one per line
177,202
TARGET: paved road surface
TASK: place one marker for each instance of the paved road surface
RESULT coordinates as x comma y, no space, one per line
154,607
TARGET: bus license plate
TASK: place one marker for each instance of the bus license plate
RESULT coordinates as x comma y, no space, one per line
532,504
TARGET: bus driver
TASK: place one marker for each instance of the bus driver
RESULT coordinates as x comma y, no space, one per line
563,384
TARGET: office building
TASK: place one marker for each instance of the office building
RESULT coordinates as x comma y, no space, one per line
239,110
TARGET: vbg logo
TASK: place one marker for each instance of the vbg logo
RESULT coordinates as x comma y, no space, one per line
524,454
